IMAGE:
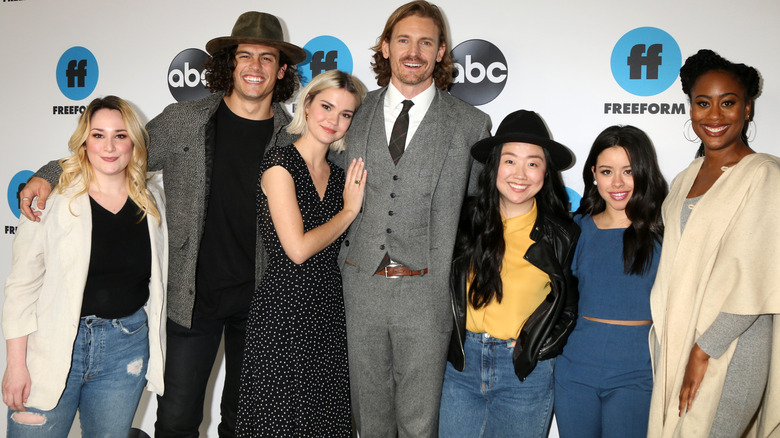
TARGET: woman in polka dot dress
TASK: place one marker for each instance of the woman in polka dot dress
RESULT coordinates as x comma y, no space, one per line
294,379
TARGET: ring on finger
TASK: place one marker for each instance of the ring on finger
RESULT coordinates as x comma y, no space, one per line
25,199
357,181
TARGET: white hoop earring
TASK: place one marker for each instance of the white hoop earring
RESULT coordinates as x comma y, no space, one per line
689,133
751,131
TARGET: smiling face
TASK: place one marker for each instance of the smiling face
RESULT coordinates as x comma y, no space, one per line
521,171
108,145
413,51
329,114
256,71
614,178
719,110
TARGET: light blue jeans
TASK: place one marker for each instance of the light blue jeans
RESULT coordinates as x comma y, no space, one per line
488,400
105,383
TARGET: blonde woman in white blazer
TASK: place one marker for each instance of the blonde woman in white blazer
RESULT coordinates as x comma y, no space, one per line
85,301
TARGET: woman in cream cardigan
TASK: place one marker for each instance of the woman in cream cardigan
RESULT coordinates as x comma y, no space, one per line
717,294
85,300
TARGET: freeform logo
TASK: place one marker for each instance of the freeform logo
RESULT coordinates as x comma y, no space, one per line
187,76
646,61
480,72
324,53
14,187
77,73
574,200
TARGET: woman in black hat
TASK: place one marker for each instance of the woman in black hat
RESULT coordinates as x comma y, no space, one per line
514,297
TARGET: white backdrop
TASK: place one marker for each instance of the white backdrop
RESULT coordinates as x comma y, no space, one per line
557,53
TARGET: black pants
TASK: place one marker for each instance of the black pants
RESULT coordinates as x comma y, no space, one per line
189,361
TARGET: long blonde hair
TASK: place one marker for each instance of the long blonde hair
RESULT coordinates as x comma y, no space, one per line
78,165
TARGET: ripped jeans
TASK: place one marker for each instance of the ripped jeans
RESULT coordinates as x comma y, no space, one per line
105,383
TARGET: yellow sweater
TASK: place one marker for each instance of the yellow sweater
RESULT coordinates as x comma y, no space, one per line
524,285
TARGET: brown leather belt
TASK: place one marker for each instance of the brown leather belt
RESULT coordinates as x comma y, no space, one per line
397,271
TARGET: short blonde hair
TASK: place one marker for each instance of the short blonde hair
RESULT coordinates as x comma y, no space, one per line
325,81
78,165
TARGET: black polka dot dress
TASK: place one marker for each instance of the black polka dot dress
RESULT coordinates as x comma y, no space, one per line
294,378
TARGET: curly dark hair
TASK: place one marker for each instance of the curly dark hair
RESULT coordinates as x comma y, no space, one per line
480,238
705,61
442,72
644,207
219,74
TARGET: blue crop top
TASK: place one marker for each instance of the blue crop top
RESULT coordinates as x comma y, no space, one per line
605,290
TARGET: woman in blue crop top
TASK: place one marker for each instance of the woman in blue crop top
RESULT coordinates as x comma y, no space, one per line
603,379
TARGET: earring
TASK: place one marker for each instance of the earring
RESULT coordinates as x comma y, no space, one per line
688,132
595,183
306,114
751,131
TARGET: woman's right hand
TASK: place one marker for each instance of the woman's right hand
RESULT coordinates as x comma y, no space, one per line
355,186
16,386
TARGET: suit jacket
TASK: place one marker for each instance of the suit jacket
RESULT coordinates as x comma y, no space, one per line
448,130
182,142
44,291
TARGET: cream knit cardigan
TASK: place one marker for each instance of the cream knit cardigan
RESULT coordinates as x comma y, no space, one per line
728,260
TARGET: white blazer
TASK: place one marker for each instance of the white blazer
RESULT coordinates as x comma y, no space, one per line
44,291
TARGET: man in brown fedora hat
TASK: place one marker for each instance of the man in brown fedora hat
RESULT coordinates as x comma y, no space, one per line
210,152
415,139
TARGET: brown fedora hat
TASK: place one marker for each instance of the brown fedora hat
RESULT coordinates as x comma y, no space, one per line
258,28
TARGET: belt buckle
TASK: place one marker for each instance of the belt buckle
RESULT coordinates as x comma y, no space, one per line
392,265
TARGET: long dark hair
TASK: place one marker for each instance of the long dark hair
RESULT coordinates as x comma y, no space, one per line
644,207
480,241
220,67
705,61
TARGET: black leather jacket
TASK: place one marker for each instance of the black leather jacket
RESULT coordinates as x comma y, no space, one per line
547,329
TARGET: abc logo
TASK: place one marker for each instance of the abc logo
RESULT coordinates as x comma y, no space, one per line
646,61
77,73
186,76
480,72
322,54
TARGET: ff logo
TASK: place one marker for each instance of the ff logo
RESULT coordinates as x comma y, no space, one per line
646,61
16,184
480,72
77,73
322,54
187,77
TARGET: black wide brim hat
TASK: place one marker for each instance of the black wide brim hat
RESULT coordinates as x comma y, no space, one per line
258,28
524,127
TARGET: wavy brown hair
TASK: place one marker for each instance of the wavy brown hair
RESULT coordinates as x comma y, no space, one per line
442,72
220,67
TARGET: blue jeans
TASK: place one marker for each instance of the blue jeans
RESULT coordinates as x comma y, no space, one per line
603,382
488,400
107,377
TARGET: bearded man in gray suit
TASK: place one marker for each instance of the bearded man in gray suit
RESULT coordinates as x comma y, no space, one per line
396,258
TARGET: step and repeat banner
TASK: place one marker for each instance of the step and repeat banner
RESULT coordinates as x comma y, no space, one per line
582,66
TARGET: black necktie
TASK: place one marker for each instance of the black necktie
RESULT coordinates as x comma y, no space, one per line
398,136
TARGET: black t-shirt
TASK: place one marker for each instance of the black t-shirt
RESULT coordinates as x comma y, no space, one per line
226,261
120,263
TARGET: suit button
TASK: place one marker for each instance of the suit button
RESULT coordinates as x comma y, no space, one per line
392,195
381,247
191,292
390,212
186,148
389,231
395,177
346,243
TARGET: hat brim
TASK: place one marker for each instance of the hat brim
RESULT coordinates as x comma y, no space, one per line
562,158
295,54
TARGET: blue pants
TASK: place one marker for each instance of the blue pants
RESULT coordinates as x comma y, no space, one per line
107,377
488,400
603,382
